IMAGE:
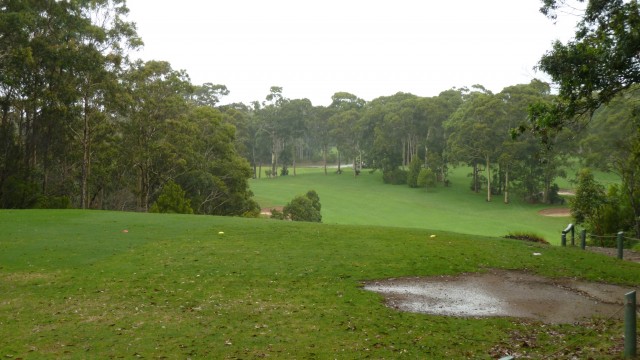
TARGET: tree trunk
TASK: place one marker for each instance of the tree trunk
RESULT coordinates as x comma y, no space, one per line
84,186
324,158
545,191
426,157
404,152
273,162
475,177
274,156
506,185
426,149
488,179
339,170
253,162
294,157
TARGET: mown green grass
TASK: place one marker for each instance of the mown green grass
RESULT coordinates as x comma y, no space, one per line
365,200
74,285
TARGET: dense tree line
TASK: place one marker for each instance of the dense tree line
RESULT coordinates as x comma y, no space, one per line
468,127
83,125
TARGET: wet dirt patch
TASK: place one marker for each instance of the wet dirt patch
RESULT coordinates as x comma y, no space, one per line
501,293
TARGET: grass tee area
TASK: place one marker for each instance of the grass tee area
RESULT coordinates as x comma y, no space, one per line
75,284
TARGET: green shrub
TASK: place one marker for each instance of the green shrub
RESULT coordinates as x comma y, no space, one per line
19,193
527,237
426,178
277,214
315,199
253,209
414,172
302,208
172,200
601,213
53,202
396,176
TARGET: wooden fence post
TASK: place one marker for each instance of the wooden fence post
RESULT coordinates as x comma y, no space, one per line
620,240
630,335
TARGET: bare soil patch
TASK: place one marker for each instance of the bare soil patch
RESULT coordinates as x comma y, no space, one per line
503,293
267,211
557,212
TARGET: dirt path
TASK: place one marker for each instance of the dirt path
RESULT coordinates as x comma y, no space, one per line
503,293
627,254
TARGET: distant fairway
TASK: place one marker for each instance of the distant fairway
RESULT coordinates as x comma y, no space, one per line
365,200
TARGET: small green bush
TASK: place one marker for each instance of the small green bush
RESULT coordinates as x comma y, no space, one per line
315,199
531,237
18,193
53,202
396,176
172,200
277,214
426,178
301,208
414,172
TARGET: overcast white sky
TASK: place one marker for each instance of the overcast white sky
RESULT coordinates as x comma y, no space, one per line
370,48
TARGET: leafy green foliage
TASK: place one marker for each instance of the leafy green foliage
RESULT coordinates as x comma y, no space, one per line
600,62
18,193
277,214
531,237
617,214
53,202
104,132
172,200
414,171
612,144
315,199
396,176
587,203
426,178
304,208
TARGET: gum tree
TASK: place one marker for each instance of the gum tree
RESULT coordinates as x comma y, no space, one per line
600,63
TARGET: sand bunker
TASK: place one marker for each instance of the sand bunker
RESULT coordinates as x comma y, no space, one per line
503,293
557,212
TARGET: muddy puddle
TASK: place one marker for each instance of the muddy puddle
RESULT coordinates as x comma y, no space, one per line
504,294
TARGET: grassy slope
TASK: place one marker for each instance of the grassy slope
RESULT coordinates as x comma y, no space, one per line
365,200
73,285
